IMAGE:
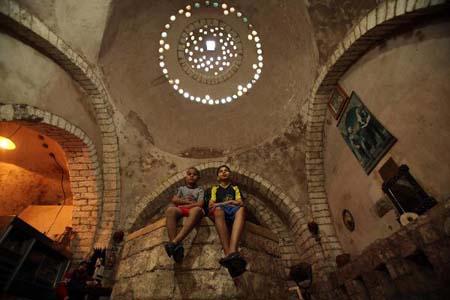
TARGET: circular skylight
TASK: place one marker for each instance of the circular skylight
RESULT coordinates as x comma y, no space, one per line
217,50
212,51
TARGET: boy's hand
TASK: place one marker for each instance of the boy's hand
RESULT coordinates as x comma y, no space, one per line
189,198
232,202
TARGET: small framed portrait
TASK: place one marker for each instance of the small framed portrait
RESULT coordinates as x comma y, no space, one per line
337,101
294,293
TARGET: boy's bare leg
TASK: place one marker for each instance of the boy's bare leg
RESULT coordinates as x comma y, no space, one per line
172,215
222,230
238,228
195,214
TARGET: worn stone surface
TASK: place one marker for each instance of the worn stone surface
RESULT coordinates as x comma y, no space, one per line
82,23
333,19
406,267
199,276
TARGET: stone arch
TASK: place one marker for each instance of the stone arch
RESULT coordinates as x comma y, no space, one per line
252,182
279,213
34,32
85,173
289,252
385,19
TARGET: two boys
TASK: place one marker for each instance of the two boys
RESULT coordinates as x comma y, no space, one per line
225,208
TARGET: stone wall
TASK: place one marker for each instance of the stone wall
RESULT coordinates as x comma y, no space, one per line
145,271
412,263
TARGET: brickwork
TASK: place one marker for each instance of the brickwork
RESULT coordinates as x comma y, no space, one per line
275,209
387,17
35,33
84,170
289,253
412,263
144,266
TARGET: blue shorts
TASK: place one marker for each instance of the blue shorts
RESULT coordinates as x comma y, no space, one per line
229,211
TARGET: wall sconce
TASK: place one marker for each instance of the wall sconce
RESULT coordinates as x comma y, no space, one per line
6,143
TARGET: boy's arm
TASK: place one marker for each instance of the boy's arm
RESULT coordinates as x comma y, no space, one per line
238,201
178,200
200,201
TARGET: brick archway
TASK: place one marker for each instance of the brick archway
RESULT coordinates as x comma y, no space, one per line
274,206
84,171
34,32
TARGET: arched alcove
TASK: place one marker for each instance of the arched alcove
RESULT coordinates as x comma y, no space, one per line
32,31
270,248
84,171
271,207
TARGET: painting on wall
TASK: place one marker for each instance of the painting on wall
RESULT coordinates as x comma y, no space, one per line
366,137
337,101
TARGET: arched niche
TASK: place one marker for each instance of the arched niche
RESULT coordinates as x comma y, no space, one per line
84,171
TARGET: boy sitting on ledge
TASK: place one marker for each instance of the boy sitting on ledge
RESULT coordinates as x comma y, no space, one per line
187,202
226,208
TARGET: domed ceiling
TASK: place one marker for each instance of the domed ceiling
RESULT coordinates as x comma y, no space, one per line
211,75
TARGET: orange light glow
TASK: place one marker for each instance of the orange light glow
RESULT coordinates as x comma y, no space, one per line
6,144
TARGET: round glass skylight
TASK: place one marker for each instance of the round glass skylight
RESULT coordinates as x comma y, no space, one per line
212,51
204,42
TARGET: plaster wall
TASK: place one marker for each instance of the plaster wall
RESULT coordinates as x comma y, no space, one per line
28,77
80,22
48,219
332,19
405,84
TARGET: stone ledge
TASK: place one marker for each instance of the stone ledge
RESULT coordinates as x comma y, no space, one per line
413,261
253,228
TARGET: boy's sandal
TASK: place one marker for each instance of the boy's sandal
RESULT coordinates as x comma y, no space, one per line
237,266
224,261
169,247
178,253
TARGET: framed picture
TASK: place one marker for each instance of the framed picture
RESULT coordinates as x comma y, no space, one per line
337,101
366,137
294,293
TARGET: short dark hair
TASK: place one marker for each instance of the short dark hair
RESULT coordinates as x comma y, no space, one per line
220,167
195,169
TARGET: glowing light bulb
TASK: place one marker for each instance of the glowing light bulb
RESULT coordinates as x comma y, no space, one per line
6,143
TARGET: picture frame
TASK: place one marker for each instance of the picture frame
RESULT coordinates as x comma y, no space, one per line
336,102
294,293
366,137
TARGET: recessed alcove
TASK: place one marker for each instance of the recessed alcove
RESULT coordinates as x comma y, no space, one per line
34,180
